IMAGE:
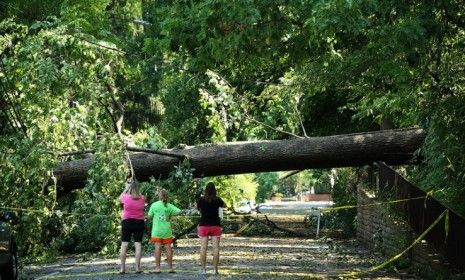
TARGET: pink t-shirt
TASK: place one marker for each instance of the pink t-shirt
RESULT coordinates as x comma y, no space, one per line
133,208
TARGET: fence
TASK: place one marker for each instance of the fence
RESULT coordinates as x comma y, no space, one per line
421,213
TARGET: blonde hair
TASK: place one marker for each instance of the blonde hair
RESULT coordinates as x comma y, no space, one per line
163,195
134,190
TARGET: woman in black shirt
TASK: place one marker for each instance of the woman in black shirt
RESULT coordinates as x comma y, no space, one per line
209,225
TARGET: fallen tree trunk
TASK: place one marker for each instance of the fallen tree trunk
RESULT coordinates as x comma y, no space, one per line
391,146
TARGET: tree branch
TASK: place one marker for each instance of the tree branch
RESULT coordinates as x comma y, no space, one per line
7,117
72,153
129,148
273,128
15,116
98,45
118,121
158,152
114,122
290,174
300,120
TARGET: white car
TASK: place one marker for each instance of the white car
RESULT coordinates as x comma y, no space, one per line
264,206
246,207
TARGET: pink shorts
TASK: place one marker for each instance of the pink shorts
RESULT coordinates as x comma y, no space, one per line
205,231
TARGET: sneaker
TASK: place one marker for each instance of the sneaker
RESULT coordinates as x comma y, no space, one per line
202,271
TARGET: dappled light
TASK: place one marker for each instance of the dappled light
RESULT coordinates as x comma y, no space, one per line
250,258
319,139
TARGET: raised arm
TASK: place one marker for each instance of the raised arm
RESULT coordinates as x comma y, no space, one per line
126,190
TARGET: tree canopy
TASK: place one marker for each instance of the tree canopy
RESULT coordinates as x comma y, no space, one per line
87,75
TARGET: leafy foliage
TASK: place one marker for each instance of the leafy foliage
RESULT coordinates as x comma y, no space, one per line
52,82
267,185
77,75
180,184
345,193
233,189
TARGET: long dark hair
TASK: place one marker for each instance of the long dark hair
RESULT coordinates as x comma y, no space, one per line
210,192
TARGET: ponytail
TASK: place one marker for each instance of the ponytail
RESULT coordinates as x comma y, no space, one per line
163,195
134,190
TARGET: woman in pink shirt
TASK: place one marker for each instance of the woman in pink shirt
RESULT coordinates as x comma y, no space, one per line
132,223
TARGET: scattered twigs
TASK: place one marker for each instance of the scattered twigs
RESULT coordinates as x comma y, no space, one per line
274,226
267,222
244,227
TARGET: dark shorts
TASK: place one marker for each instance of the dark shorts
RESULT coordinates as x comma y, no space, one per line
132,227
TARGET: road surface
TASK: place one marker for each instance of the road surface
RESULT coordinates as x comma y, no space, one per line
241,258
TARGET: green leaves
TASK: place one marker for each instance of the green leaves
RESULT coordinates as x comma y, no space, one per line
85,17
233,189
216,71
58,86
267,185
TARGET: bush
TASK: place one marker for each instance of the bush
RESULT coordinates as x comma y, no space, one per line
345,193
88,235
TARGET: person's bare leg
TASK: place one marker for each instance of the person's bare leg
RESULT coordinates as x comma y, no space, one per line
169,256
216,252
157,256
122,256
203,251
138,254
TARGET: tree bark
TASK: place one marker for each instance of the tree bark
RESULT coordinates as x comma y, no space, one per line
391,146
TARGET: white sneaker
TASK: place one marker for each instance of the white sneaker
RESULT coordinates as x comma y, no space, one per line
202,271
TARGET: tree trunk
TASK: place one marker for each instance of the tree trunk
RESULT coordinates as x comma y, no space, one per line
391,146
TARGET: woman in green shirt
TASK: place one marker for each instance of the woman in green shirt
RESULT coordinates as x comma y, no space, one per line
162,235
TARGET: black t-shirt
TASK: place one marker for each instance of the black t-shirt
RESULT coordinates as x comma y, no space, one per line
209,211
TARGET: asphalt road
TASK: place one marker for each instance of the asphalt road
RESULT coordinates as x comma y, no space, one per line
241,258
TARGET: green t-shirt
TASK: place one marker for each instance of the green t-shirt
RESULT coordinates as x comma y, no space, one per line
161,214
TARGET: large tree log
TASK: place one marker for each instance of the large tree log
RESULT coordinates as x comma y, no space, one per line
391,146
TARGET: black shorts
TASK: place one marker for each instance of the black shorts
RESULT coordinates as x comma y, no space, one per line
132,227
